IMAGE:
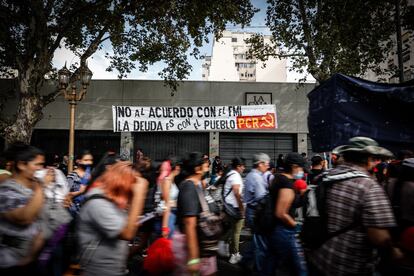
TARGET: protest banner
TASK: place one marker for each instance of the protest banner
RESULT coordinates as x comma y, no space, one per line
194,118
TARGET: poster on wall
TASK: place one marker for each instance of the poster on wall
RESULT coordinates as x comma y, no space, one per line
194,118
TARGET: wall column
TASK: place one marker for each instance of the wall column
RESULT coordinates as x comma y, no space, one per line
302,142
127,146
214,149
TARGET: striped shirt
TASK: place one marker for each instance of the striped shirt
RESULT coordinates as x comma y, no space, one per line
351,252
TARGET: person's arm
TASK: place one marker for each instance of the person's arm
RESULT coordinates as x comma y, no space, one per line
27,214
283,203
82,189
379,237
165,189
139,191
190,229
259,187
237,195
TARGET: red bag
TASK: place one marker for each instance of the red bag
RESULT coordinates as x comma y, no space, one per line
160,258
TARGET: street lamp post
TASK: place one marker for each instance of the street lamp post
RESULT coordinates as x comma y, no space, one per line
83,76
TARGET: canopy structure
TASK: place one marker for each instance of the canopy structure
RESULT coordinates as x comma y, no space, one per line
344,107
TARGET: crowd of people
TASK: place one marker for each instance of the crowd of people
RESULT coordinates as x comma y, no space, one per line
351,213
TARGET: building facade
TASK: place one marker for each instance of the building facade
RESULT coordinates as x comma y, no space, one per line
94,121
229,62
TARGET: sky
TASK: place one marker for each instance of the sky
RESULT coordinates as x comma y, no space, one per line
98,63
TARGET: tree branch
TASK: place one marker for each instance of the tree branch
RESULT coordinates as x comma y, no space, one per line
106,38
309,47
51,97
93,46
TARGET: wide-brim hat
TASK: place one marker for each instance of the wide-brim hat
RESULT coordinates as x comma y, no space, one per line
363,145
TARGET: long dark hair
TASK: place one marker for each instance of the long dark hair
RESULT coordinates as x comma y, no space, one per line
20,152
189,163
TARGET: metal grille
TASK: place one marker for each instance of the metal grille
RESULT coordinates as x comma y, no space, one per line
247,144
159,145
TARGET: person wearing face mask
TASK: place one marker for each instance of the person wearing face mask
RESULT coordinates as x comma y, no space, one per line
78,180
21,202
283,245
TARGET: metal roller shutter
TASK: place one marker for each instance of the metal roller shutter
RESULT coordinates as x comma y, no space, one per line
159,145
55,141
246,144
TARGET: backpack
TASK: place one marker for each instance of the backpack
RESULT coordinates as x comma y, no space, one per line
264,218
229,209
314,231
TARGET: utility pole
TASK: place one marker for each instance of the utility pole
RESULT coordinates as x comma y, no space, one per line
399,42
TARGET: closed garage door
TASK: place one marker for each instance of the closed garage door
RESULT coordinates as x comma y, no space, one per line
55,141
246,144
159,145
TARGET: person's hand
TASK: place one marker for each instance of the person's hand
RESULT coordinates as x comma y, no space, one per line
165,232
396,254
49,177
195,268
298,227
67,202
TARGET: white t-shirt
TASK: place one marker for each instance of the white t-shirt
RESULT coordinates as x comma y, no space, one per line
234,179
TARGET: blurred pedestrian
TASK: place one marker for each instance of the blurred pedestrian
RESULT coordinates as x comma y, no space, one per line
5,168
79,179
269,174
21,201
256,190
357,213
108,219
170,192
284,248
139,155
234,208
195,252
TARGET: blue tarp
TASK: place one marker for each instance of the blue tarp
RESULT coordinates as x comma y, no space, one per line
344,107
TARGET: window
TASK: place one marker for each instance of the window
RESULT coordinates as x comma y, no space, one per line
391,64
406,55
234,39
204,75
242,74
408,75
405,38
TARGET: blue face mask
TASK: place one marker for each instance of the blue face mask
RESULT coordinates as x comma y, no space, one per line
299,175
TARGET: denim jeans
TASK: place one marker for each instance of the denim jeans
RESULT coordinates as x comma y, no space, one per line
171,223
284,248
258,250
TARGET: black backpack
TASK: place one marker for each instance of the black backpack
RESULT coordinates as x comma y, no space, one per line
264,218
315,226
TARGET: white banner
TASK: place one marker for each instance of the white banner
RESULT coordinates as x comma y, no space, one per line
194,118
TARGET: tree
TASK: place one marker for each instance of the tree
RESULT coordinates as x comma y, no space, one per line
327,37
140,33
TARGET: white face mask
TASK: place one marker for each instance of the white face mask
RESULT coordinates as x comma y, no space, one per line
39,174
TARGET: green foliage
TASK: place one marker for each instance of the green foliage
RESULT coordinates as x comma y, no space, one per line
140,32
327,37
